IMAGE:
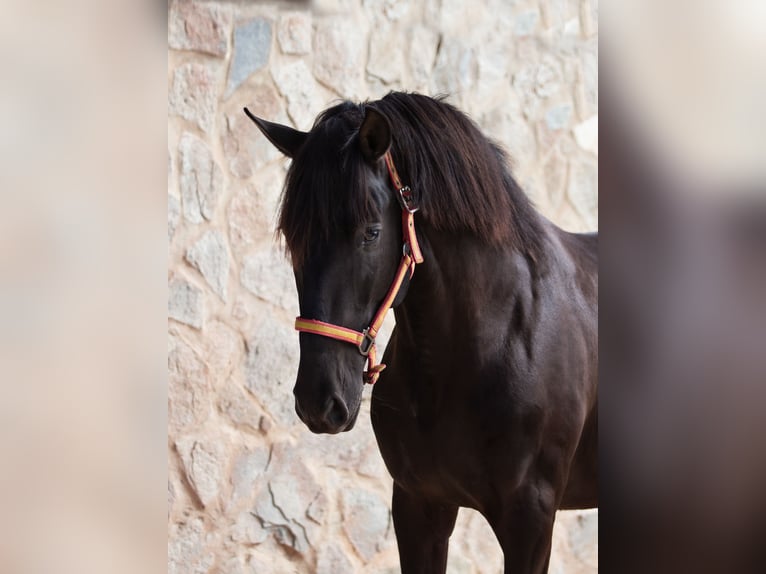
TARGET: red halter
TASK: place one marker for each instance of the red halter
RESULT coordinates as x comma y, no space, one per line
411,256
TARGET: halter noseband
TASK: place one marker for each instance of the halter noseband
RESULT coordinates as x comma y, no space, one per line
411,256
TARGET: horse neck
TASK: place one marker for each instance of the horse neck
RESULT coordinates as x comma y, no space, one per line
467,288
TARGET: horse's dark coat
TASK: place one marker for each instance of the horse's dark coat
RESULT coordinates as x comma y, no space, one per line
489,398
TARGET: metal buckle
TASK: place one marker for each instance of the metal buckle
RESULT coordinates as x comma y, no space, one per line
365,346
406,200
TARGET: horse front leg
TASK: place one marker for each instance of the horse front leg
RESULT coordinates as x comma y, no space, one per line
422,531
524,528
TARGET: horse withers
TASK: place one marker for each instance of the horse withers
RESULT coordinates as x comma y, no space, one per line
488,398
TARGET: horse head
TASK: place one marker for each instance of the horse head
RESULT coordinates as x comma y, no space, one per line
343,230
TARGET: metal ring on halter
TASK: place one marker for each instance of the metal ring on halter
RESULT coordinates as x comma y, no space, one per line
404,195
366,344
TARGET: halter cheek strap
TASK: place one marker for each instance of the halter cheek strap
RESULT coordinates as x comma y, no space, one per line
411,256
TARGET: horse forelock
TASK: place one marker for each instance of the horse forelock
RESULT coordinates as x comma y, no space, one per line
325,192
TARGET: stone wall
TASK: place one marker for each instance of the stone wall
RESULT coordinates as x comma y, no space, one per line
250,489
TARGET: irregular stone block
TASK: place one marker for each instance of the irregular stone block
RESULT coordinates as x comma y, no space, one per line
210,256
239,407
366,520
252,45
292,497
201,179
194,94
203,464
268,275
294,491
189,388
186,303
247,474
338,57
277,524
295,82
294,32
186,548
199,27
223,350
270,369
246,220
246,149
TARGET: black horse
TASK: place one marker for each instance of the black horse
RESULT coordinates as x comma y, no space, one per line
489,399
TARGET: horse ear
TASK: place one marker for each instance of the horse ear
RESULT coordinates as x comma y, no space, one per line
374,135
285,139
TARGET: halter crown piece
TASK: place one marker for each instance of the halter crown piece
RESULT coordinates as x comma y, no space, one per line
365,340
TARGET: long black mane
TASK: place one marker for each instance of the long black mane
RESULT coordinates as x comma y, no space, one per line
461,178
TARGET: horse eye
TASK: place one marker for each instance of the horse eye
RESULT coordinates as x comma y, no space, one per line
370,235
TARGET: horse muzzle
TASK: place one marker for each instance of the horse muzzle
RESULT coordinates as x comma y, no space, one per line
330,416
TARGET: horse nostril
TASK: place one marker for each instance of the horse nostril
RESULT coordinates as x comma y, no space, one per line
336,412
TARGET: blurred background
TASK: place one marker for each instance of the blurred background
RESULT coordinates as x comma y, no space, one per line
251,489
682,337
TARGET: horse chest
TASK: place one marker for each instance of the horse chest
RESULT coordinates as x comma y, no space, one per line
425,464
442,453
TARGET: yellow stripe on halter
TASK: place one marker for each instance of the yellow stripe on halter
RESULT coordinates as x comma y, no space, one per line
327,330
